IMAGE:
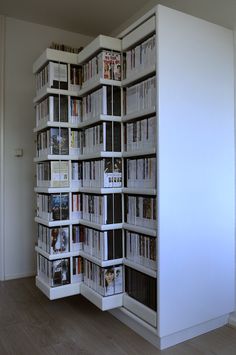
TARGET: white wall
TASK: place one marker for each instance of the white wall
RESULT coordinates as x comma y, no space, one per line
24,43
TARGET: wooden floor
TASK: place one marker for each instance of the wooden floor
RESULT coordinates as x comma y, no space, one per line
31,325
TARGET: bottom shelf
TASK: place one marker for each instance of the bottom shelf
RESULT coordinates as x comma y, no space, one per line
140,310
104,303
58,292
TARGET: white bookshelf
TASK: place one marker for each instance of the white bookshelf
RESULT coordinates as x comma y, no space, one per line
97,155
47,91
90,86
100,42
194,189
139,114
139,309
141,230
57,255
139,191
58,292
140,267
101,227
102,263
54,55
146,72
44,157
100,118
103,303
101,190
48,190
56,223
48,124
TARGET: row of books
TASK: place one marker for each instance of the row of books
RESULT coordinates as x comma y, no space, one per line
77,210
57,272
55,75
56,240
59,141
58,109
53,173
141,96
106,65
141,211
141,249
65,48
105,281
140,133
53,207
102,173
141,287
104,101
99,173
54,273
105,136
141,173
53,141
102,209
103,245
141,57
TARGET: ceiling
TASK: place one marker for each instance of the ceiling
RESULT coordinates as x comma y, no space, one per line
93,17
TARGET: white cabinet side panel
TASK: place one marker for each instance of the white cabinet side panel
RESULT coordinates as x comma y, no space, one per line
196,171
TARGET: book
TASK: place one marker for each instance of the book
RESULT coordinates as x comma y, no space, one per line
60,272
59,237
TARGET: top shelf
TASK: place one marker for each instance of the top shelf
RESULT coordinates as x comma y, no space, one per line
54,55
138,34
100,42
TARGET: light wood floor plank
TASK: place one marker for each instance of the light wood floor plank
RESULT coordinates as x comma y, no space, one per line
31,324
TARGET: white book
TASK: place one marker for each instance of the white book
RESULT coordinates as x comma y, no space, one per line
118,271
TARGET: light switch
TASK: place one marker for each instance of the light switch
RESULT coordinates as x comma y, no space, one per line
19,152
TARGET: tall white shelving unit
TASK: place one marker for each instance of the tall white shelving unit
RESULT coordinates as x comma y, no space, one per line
195,175
192,197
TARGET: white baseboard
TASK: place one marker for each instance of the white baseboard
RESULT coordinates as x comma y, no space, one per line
193,332
138,325
232,319
151,335
20,276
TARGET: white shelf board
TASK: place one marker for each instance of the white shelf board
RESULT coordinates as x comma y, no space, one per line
139,191
100,155
54,55
139,114
100,42
138,153
57,256
96,83
141,268
101,227
104,303
102,263
47,91
141,230
55,157
138,75
140,310
100,118
139,33
58,292
55,124
48,190
101,190
53,223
